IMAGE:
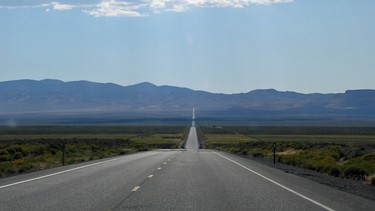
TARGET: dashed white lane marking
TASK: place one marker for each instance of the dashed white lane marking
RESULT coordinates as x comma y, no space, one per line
150,176
136,188
159,168
278,184
164,163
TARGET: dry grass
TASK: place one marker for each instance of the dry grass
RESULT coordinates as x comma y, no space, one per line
344,139
227,138
290,152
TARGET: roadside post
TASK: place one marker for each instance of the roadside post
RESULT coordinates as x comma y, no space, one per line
63,154
274,152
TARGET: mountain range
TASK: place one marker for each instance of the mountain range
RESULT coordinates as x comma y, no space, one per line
84,97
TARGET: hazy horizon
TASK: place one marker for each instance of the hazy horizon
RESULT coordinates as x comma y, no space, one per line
160,85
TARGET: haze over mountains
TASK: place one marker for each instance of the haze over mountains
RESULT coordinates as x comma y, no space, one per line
84,97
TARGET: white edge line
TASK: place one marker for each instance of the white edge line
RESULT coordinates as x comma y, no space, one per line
278,184
57,173
60,172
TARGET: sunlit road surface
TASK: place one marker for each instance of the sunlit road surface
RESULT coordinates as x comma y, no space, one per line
190,179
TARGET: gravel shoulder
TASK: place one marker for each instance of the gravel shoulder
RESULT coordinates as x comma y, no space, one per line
358,188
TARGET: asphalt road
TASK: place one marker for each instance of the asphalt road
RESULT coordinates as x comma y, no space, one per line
192,141
190,179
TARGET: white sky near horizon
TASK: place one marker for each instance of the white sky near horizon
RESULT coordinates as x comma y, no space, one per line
222,46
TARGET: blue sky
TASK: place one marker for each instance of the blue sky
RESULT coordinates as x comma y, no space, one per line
226,46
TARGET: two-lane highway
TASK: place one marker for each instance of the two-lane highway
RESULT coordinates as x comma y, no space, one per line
192,141
189,179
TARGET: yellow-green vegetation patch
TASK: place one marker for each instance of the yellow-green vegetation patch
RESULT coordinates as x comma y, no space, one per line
26,149
320,159
347,152
158,139
227,142
345,139
65,136
371,179
227,138
290,152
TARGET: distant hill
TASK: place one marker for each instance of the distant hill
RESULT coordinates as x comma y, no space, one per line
84,97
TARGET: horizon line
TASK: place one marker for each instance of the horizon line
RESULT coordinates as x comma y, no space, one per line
176,86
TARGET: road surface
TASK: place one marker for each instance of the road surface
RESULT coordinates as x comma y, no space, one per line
190,179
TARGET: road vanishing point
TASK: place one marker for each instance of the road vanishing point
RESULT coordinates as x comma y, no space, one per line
190,179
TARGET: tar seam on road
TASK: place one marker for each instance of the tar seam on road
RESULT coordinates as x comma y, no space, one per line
61,172
276,183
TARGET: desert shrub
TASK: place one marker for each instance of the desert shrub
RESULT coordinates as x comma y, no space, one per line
323,168
126,151
289,161
308,166
71,161
369,157
10,150
354,152
366,162
5,158
372,180
355,172
38,150
53,151
25,168
3,152
334,171
10,170
258,155
18,148
21,170
242,152
17,155
95,148
142,149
